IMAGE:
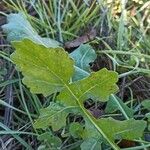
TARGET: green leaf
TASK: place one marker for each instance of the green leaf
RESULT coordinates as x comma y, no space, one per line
128,129
147,115
146,104
19,28
44,72
113,129
76,129
91,144
47,137
112,106
48,70
98,86
89,131
54,115
82,56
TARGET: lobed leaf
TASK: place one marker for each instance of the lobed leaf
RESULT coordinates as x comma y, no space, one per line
111,129
128,129
48,70
54,115
98,86
45,70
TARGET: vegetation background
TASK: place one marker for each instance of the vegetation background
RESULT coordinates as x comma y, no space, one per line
118,30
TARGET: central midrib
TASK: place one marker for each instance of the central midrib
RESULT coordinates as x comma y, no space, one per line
92,120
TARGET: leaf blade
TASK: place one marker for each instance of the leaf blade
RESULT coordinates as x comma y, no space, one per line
98,85
82,56
54,115
37,63
19,28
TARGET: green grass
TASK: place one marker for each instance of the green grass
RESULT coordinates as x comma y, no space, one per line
126,44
